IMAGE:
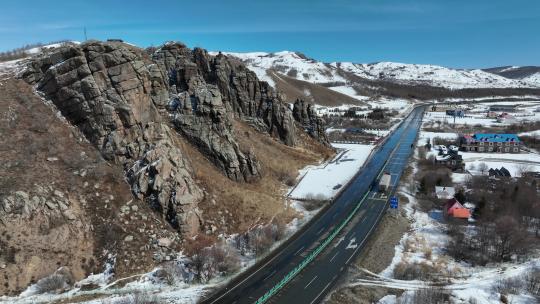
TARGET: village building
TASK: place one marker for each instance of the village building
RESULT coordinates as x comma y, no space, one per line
489,142
450,159
442,192
502,172
453,208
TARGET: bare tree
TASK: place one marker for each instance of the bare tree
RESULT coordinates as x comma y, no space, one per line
522,169
483,168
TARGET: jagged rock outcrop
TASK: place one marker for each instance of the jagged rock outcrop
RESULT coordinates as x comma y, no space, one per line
199,112
200,115
123,102
304,113
111,95
242,94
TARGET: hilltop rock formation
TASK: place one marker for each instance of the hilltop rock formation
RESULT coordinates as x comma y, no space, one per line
111,95
242,94
304,113
124,100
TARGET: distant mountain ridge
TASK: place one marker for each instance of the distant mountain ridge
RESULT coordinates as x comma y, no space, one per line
525,73
361,80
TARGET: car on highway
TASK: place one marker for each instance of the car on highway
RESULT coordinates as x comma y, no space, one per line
384,182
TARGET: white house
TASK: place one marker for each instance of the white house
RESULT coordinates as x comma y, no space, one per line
445,192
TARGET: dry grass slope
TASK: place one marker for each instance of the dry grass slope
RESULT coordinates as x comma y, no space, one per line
235,207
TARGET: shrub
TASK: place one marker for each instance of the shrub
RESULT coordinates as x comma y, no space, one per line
137,298
430,296
211,261
532,282
53,283
508,286
413,271
313,202
287,178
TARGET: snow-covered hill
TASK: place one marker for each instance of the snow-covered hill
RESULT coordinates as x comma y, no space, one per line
534,78
291,64
300,67
432,75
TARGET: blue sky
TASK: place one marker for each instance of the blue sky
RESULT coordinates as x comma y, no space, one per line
455,33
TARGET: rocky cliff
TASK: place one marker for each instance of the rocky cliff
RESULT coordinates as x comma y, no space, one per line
305,114
125,101
112,96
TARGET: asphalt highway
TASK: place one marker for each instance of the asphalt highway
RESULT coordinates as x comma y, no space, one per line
355,213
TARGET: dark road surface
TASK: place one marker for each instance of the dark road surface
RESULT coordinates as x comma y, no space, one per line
356,211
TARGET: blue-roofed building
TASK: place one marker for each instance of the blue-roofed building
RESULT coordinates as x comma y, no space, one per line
491,142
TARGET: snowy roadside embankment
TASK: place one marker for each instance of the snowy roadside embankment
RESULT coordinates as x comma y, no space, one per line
326,180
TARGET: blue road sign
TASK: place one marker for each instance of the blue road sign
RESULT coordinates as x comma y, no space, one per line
393,202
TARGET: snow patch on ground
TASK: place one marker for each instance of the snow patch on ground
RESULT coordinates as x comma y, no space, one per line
9,69
349,91
321,181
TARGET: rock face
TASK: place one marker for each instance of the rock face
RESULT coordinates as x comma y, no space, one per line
124,100
112,96
304,113
242,94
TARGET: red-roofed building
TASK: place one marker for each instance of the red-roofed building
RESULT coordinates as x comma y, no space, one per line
455,209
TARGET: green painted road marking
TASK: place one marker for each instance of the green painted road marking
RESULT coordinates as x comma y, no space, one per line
326,242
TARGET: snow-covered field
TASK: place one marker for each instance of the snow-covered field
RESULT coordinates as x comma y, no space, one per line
477,115
515,163
326,180
471,120
402,106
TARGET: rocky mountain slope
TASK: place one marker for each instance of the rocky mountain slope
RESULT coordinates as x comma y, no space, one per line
169,121
388,78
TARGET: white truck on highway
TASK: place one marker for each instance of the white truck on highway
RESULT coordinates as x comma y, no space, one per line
384,182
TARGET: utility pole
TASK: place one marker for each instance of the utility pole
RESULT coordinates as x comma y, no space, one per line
85,37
